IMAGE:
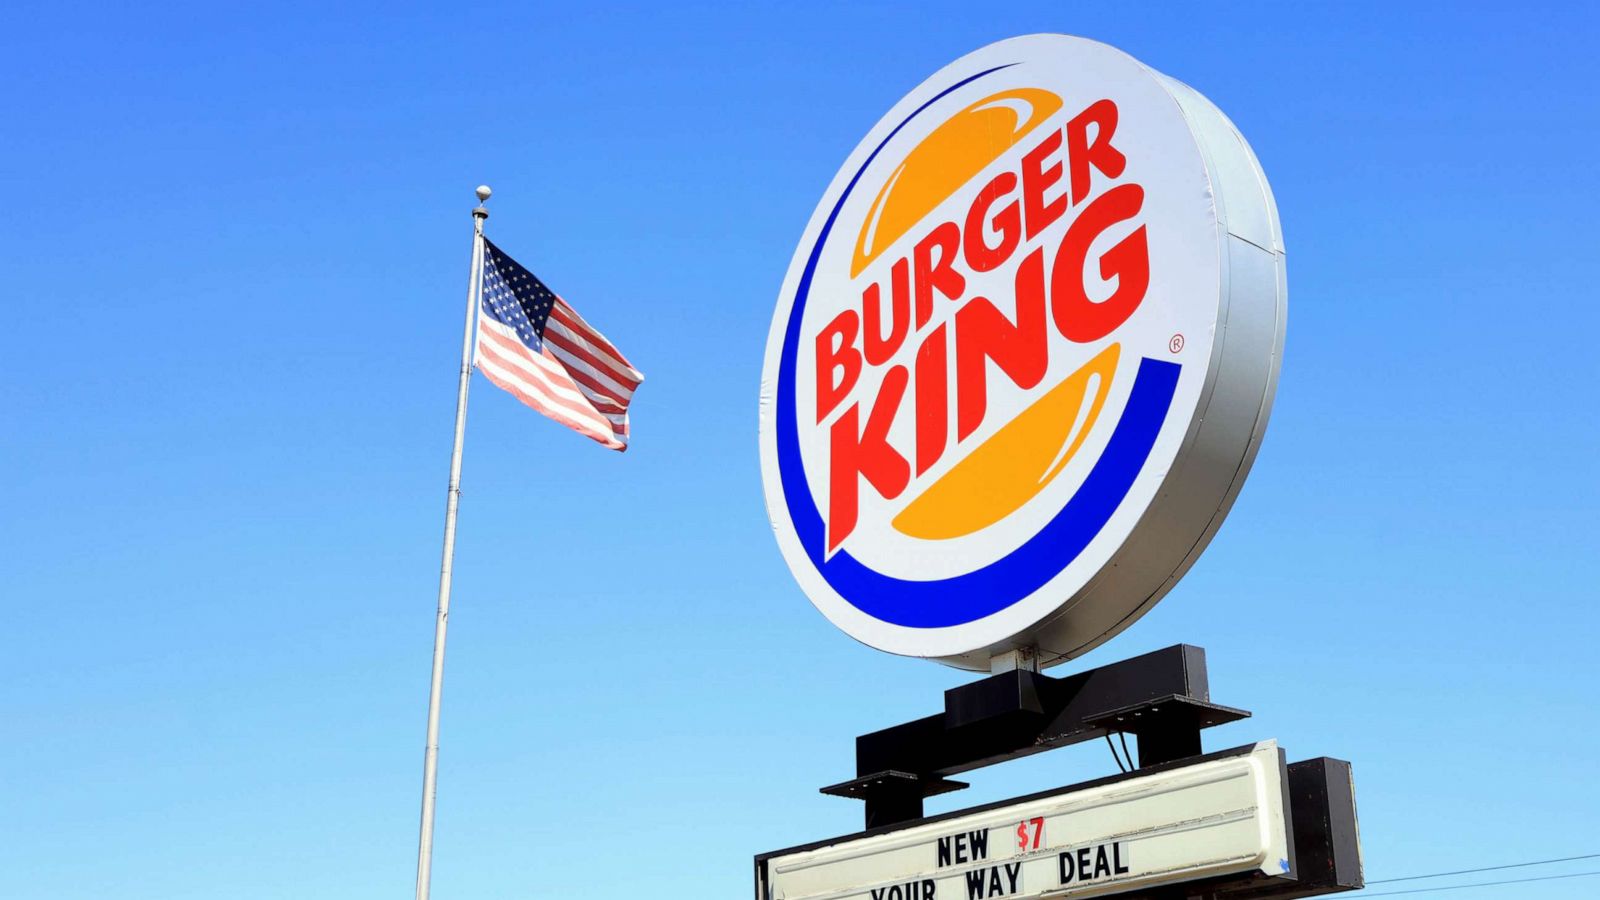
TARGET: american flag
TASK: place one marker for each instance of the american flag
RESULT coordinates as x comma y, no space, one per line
534,345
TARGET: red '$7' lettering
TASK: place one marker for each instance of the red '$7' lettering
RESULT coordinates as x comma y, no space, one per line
1030,834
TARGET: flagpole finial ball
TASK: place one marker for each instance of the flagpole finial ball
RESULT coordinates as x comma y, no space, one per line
483,192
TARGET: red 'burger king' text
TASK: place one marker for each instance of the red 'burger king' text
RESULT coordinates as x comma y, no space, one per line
1018,206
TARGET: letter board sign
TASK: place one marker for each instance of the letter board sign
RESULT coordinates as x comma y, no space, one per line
1224,816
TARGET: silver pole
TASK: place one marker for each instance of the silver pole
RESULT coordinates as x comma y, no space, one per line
430,759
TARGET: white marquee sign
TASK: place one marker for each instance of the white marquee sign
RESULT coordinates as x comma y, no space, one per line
1222,817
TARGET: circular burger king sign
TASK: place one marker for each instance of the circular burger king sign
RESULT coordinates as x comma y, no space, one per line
1023,357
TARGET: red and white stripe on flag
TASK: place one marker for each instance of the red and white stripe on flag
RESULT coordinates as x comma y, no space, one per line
576,377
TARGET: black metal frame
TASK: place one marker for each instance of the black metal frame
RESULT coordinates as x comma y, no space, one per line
1162,698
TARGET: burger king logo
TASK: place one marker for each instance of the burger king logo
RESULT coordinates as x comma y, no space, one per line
1023,356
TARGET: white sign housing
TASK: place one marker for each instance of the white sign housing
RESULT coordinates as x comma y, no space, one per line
1024,356
1225,816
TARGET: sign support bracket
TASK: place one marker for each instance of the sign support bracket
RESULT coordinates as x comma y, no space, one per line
1161,698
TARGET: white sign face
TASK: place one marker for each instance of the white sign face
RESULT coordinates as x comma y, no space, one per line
1023,356
1222,817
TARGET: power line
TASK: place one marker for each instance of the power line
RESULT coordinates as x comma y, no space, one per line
1538,862
1478,884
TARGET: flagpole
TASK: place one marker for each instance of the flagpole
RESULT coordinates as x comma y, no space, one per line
430,759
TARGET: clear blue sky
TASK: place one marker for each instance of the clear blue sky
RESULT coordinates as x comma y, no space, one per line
233,258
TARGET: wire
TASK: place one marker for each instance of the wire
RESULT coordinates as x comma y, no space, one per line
1114,756
1477,884
1120,766
1122,737
1539,862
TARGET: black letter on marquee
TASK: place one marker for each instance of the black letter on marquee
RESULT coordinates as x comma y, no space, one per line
980,844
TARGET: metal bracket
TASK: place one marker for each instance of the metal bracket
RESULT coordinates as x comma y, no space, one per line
891,796
1161,698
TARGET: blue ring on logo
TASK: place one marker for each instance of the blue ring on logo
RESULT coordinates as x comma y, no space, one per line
982,592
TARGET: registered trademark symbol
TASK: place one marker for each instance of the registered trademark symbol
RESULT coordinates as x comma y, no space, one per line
1176,344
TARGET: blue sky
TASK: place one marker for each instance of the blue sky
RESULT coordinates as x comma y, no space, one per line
233,262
